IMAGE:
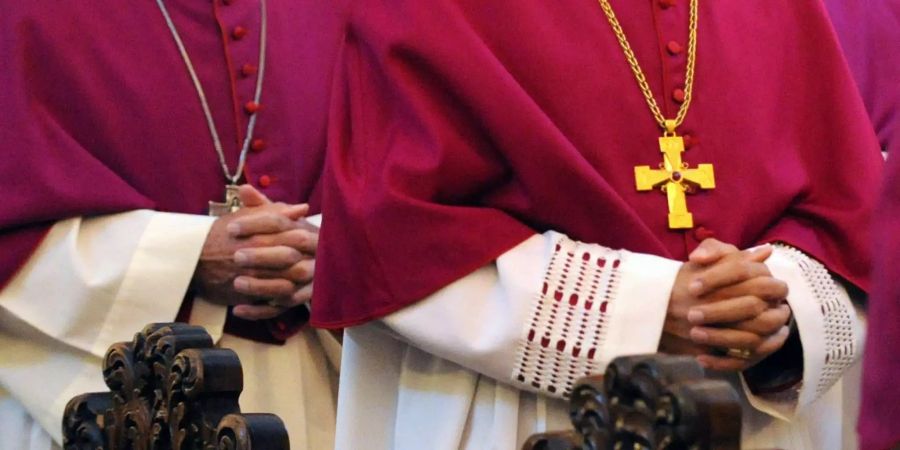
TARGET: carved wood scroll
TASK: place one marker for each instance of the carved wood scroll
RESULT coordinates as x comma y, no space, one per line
170,389
649,402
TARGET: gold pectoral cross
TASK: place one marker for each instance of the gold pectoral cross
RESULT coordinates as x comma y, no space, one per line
232,202
676,179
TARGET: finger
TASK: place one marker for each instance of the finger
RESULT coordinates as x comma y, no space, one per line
303,240
257,312
302,272
767,288
769,322
773,342
732,269
723,363
250,196
266,288
303,295
278,257
299,297
710,251
759,254
259,223
731,310
678,328
726,338
769,345
296,212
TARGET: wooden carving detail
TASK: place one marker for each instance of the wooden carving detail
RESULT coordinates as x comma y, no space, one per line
170,389
649,402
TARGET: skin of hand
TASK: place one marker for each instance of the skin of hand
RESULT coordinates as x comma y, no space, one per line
725,298
250,256
280,267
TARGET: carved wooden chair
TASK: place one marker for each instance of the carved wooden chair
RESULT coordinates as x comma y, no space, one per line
649,402
170,389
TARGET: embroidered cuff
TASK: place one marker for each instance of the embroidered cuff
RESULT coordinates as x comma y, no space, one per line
595,304
829,329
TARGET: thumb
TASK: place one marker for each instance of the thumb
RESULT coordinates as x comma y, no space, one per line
761,253
710,251
250,196
296,212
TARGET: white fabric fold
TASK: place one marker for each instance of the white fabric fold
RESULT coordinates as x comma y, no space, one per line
501,322
96,281
113,275
643,299
442,373
437,373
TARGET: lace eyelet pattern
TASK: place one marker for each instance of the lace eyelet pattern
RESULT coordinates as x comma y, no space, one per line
569,319
841,340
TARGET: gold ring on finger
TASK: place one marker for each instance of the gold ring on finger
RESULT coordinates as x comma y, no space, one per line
275,303
739,353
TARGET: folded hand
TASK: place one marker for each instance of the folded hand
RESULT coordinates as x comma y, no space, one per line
726,299
260,258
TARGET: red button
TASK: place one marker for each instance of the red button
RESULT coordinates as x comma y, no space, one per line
251,107
674,48
265,181
258,145
238,32
248,69
667,3
678,95
702,233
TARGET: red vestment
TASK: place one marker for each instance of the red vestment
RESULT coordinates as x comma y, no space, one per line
100,115
460,128
870,35
869,32
880,414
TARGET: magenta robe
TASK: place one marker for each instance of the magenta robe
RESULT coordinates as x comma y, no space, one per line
879,422
870,35
869,31
461,127
100,115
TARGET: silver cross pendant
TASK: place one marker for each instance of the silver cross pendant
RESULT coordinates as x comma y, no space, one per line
232,202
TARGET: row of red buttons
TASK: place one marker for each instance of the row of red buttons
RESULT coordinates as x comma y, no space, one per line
251,107
674,49
257,145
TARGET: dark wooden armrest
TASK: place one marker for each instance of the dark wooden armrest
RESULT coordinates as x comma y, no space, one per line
649,402
170,388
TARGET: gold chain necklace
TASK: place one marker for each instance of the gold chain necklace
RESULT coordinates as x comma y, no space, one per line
674,177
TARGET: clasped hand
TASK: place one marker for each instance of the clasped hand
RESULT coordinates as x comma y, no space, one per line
724,298
260,258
